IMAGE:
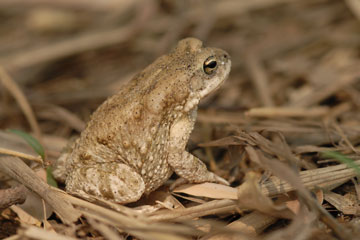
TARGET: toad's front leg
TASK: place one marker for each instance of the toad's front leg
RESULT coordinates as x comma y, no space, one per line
183,163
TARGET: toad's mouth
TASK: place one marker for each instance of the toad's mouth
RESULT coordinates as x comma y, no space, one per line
216,83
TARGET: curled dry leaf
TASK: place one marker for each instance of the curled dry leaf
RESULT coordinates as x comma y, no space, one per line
251,196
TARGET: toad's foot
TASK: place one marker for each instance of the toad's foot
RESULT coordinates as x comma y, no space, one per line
110,181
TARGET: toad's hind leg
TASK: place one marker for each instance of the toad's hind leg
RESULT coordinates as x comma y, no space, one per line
110,181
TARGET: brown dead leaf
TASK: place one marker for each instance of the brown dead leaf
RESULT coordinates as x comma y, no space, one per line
25,217
346,205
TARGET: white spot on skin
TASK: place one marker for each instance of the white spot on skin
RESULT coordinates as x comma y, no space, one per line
178,108
143,149
191,104
153,130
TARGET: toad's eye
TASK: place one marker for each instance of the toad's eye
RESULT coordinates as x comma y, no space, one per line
210,65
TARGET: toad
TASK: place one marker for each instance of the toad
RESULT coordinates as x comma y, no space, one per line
136,139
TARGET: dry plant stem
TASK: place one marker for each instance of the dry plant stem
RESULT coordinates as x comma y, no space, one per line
258,76
12,196
345,138
342,203
19,171
354,6
252,224
13,237
315,178
213,207
137,227
79,4
21,155
285,172
277,112
20,98
270,147
78,44
324,177
235,8
317,95
61,114
33,232
133,223
105,230
66,48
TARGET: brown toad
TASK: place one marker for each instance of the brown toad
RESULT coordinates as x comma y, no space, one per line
136,139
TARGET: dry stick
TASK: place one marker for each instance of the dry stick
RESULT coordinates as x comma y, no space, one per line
258,76
18,170
109,6
213,207
147,231
277,112
12,196
254,222
20,98
105,230
136,226
32,232
251,224
21,155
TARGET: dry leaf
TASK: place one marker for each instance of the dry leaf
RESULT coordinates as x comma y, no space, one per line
210,190
250,196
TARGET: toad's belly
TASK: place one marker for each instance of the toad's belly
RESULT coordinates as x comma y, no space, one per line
154,175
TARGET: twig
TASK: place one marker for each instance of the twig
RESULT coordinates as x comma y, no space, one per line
113,5
20,98
12,196
18,170
278,112
21,155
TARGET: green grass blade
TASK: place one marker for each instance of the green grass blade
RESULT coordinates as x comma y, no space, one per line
50,177
343,159
34,143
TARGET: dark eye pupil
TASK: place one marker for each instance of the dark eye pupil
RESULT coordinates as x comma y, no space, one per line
211,64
